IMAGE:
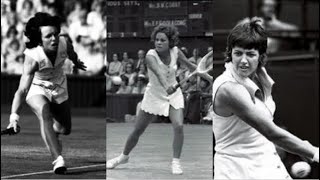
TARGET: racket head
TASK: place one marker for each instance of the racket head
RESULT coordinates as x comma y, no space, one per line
202,66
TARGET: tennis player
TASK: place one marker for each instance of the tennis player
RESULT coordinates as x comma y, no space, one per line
243,109
43,84
161,97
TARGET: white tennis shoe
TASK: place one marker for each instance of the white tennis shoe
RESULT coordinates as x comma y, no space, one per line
176,168
59,166
112,163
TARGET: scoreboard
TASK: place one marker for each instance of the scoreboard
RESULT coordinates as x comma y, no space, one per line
138,18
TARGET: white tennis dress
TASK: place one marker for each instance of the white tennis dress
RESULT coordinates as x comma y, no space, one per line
241,151
155,100
50,79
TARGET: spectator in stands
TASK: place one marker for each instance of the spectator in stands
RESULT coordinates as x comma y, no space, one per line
268,10
37,5
140,60
124,87
125,60
11,20
115,66
11,46
130,74
43,85
75,14
52,9
12,51
95,20
195,56
114,69
143,71
27,11
5,13
140,85
192,100
79,32
16,66
141,80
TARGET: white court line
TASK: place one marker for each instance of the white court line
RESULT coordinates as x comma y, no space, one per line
45,172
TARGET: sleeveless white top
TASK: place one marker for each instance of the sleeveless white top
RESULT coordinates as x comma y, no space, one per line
155,100
49,74
241,151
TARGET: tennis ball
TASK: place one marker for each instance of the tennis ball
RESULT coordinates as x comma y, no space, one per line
116,80
300,169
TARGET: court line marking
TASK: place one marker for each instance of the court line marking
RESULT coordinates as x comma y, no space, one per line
45,172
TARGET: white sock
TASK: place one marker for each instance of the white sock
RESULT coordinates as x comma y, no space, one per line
122,156
176,160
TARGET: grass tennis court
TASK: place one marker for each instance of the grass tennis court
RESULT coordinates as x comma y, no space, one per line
151,158
24,156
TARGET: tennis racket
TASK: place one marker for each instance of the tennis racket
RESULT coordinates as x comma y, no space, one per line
201,68
10,131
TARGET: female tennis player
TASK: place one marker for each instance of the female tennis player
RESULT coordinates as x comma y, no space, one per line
43,84
243,109
161,97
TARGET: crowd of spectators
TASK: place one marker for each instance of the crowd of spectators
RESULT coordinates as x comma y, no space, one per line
84,22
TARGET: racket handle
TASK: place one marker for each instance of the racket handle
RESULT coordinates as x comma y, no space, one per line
10,131
177,85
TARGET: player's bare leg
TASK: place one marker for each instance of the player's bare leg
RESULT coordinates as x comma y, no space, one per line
62,119
176,117
142,122
41,107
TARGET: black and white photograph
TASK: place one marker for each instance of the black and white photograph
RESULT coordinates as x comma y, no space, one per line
53,89
176,89
265,94
159,56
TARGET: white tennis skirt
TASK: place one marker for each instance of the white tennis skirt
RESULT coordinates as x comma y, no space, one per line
157,102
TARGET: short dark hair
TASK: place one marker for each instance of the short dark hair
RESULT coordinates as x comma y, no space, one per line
170,31
248,34
32,31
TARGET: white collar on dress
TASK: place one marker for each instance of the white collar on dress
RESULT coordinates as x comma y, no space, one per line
262,75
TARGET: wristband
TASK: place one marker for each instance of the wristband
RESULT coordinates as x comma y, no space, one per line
14,117
316,156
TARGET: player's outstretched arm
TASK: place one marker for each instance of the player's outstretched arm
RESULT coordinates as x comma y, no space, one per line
236,98
183,59
29,68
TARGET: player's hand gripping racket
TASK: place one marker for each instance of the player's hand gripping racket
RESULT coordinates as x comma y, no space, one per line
13,127
202,68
